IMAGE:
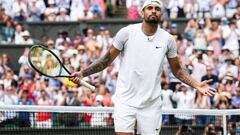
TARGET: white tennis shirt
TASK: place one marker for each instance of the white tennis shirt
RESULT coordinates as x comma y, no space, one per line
141,64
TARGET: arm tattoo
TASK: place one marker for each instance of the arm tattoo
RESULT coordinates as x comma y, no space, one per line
98,66
186,78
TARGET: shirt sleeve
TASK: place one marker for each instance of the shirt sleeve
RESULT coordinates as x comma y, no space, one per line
172,48
121,38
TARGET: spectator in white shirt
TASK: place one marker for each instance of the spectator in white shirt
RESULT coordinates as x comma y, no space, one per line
185,100
204,8
10,98
62,15
231,36
19,9
85,14
166,101
51,11
18,35
64,4
76,6
217,10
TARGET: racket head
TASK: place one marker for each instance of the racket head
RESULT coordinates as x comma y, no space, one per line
46,62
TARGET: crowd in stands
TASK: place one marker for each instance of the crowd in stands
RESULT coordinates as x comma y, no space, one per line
208,49
188,8
56,10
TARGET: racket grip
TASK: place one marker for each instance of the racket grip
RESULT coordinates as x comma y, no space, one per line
87,85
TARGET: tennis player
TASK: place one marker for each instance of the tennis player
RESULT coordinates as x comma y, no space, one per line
142,47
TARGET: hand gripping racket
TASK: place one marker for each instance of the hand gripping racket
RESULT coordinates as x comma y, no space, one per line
47,63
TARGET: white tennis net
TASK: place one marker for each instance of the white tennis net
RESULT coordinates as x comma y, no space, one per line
79,120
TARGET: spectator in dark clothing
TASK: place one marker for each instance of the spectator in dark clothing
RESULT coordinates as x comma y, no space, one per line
210,75
24,117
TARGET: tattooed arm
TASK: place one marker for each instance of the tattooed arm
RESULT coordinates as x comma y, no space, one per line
97,66
102,63
182,75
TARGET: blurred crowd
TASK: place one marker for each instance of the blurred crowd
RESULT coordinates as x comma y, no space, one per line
188,8
56,10
207,49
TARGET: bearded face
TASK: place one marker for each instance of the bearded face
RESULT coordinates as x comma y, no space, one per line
152,14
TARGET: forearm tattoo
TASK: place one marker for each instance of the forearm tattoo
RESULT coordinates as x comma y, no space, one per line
98,66
186,78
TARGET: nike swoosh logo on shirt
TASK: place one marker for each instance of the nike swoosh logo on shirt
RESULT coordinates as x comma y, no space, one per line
158,47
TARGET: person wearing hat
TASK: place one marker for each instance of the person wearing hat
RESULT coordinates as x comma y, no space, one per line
143,47
26,38
228,67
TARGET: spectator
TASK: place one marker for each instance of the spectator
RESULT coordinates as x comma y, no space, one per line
7,5
34,11
191,29
174,31
222,97
18,34
76,7
23,61
65,4
51,11
10,98
71,99
78,39
19,10
166,101
228,67
44,118
231,35
26,38
211,76
3,16
106,97
209,130
217,10
204,7
185,100
62,15
200,37
173,6
24,117
62,38
202,102
236,99
231,128
190,9
231,8
85,14
8,32
198,67
214,38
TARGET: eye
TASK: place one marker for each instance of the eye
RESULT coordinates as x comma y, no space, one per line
157,9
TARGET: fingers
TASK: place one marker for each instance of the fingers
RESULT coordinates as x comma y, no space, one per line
207,81
209,92
75,80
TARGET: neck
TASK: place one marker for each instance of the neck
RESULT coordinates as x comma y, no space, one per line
149,29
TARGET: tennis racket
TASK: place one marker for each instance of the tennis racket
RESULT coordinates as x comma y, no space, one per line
47,63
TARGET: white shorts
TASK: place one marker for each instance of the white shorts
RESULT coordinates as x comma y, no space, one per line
148,118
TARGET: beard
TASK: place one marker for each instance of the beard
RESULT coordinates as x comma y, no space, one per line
152,20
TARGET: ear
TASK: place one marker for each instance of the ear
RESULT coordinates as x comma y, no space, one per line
142,14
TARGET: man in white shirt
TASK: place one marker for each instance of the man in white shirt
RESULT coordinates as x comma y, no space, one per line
185,100
142,47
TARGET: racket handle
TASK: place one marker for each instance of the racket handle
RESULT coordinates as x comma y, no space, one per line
87,85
